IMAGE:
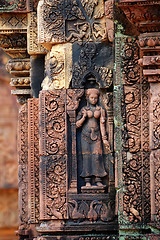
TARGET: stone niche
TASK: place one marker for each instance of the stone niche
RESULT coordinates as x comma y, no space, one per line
76,166
70,169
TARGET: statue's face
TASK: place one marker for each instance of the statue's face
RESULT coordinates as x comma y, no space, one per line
93,98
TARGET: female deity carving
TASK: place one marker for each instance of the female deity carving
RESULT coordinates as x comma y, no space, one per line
92,120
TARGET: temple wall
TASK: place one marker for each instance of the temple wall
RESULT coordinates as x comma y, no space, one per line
86,74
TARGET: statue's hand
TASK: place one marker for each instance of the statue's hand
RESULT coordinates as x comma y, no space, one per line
106,144
84,112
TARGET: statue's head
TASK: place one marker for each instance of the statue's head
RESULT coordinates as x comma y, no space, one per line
92,96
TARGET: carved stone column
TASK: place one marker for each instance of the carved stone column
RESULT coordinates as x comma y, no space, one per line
144,15
73,98
13,40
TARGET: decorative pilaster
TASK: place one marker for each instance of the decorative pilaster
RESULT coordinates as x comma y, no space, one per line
13,40
145,16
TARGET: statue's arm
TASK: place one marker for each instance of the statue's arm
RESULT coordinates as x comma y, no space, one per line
103,129
81,118
102,124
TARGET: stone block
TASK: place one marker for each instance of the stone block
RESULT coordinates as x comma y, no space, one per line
58,67
33,46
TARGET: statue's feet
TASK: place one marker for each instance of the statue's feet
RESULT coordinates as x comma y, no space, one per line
99,184
88,184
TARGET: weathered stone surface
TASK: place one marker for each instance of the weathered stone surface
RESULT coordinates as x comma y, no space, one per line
109,19
58,67
33,160
9,23
135,135
20,69
150,61
23,163
72,21
154,116
155,183
88,70
33,46
53,155
144,14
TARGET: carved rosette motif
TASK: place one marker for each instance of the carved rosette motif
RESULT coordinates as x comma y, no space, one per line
53,155
33,159
135,137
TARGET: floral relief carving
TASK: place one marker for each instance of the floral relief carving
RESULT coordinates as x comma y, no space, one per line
135,137
53,158
55,118
56,187
72,10
155,185
156,125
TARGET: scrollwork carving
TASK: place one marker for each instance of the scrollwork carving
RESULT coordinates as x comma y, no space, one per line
53,150
156,126
56,187
135,137
51,23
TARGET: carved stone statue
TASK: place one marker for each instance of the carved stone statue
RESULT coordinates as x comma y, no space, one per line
92,120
